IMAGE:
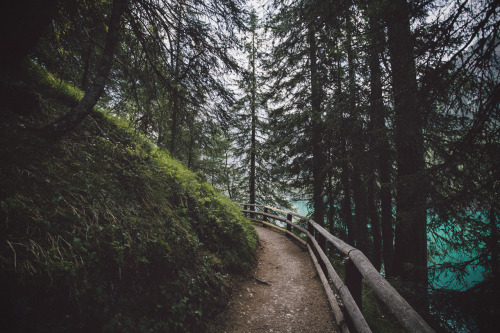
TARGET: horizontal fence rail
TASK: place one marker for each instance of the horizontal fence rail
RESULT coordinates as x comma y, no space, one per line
357,267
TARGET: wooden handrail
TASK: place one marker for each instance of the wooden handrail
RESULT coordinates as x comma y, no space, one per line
405,314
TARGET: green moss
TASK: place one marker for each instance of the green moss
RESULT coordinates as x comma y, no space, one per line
103,231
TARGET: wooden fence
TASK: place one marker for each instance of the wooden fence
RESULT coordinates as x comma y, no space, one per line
357,267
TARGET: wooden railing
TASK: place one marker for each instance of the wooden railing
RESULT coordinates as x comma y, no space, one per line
357,267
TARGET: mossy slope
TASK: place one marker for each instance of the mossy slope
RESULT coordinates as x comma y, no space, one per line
102,231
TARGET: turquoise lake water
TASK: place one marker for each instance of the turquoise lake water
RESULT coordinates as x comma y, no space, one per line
448,279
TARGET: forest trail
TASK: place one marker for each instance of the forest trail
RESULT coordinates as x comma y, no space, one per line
283,293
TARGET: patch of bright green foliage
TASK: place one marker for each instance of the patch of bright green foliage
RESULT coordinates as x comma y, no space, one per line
102,231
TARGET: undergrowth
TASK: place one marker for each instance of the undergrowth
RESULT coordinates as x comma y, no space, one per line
102,231
376,313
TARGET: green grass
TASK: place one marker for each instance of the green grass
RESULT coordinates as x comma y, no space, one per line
103,231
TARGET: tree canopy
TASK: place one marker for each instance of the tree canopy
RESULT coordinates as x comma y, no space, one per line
382,115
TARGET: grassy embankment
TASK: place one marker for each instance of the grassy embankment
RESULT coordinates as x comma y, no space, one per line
103,231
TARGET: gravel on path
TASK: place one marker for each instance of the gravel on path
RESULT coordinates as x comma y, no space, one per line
283,294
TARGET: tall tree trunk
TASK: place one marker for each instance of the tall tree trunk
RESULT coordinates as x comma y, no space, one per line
331,204
192,140
345,205
253,112
410,257
316,134
229,191
176,98
358,147
380,149
70,120
174,124
376,257
162,126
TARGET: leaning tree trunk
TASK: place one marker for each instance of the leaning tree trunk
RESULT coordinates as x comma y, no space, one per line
70,120
410,255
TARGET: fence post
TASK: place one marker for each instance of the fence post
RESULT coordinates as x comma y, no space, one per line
353,281
245,208
289,218
322,242
310,228
264,217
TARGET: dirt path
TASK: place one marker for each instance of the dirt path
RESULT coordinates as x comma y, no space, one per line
293,300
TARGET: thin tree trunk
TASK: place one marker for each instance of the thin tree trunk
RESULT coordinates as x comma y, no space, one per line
358,147
410,256
345,204
386,204
330,201
316,135
192,140
70,120
253,106
229,192
176,99
376,257
346,200
174,124
161,126
379,147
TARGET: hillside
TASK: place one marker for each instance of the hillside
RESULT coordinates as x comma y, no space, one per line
103,231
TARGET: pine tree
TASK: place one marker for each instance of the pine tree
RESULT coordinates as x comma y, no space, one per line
379,145
251,154
410,256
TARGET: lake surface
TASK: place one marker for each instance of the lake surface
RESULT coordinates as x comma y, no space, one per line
447,279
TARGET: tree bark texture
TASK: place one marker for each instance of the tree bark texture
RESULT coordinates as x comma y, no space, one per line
380,151
345,205
410,257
